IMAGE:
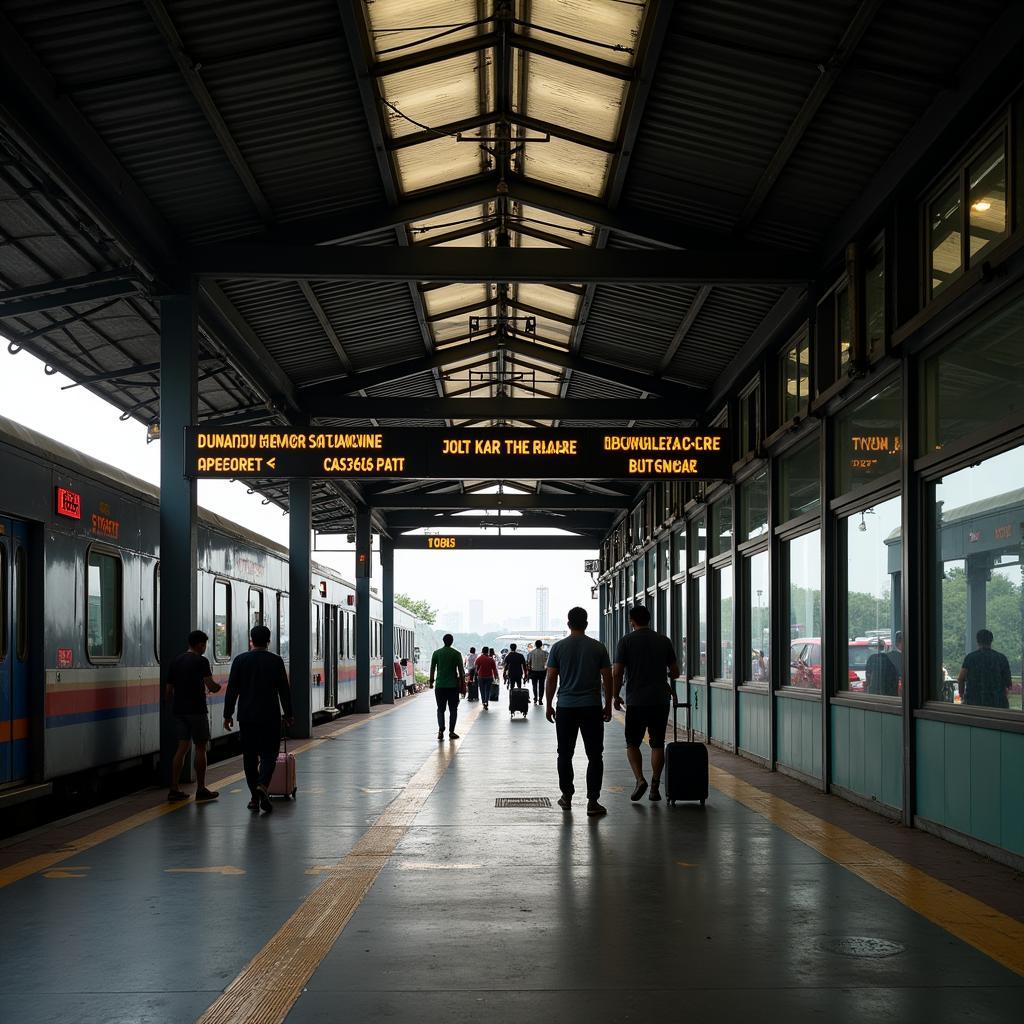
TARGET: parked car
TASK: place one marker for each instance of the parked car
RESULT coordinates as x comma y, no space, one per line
805,662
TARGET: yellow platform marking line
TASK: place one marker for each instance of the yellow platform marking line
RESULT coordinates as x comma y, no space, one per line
268,986
43,861
986,929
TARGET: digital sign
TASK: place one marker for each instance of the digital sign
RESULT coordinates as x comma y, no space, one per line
454,454
441,543
69,503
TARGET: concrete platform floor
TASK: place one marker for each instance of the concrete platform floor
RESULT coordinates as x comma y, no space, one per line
394,889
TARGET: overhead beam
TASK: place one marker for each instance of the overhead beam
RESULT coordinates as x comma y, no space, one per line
12,305
512,265
412,408
480,542
407,62
455,500
577,58
413,520
692,312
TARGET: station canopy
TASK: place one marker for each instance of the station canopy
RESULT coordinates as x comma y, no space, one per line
143,140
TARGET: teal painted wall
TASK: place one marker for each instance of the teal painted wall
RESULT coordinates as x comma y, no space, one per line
972,780
723,704
798,734
755,733
698,709
867,753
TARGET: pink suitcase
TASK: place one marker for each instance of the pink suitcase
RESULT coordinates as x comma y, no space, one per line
282,783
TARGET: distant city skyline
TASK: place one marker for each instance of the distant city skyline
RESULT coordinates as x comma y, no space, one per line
543,609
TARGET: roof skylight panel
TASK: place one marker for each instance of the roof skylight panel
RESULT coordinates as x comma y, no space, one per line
402,27
576,98
599,28
567,165
433,95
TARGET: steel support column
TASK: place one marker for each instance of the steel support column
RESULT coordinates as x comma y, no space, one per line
364,560
387,593
299,605
179,350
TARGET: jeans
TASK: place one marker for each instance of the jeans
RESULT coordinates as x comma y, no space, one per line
588,722
485,689
447,696
537,678
260,743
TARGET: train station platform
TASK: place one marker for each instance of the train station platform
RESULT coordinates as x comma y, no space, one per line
396,888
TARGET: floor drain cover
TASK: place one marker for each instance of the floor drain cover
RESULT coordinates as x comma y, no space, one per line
522,801
862,946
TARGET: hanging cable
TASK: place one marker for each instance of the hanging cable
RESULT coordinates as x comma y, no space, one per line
617,47
447,30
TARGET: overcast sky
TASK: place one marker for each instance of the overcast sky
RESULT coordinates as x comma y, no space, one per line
505,581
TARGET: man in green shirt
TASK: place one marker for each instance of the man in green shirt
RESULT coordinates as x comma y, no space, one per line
448,680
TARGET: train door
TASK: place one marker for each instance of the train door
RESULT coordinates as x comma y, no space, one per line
330,656
14,651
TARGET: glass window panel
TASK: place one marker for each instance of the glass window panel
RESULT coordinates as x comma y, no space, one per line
723,587
754,506
679,550
869,661
944,238
664,559
844,332
21,604
976,381
874,303
804,599
978,583
699,543
759,618
221,620
4,613
799,482
282,625
987,198
640,576
652,566
750,421
103,615
702,626
679,624
255,607
868,438
796,380
721,533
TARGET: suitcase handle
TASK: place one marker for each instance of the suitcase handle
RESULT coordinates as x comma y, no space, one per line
677,703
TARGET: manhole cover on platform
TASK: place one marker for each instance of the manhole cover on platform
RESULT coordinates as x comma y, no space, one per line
522,801
862,946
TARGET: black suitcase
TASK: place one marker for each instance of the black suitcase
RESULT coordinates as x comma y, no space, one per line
686,764
518,700
473,691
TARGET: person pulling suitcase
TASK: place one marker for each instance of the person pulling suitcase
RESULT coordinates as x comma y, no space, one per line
646,661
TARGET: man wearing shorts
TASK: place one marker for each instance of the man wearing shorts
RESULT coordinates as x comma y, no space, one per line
188,680
647,661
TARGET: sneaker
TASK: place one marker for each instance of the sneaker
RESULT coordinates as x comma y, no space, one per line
175,795
440,734
655,792
565,801
264,799
595,810
253,805
453,735
206,794
485,707
639,790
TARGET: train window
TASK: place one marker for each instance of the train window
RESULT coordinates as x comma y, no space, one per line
21,606
3,603
255,607
317,649
282,625
103,606
221,620
156,611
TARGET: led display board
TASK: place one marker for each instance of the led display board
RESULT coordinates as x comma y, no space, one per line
452,454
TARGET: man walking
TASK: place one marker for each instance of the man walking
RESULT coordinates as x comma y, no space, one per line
189,679
538,662
984,679
486,673
448,680
515,666
579,669
258,681
646,661
471,670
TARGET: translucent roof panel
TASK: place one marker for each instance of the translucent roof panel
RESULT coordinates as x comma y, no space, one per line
402,27
435,227
542,296
573,97
436,162
434,95
555,224
567,165
455,296
611,26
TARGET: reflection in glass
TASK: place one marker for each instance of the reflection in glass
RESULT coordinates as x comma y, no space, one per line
874,303
945,224
869,437
759,618
723,582
799,487
679,624
976,381
282,626
754,506
640,575
699,545
978,577
721,531
987,199
103,614
870,661
702,626
679,548
804,555
795,378
664,560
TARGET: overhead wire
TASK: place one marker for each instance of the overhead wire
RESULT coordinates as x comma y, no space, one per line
447,31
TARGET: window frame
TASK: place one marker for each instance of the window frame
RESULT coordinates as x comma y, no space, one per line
5,618
229,619
258,591
156,610
111,552
799,341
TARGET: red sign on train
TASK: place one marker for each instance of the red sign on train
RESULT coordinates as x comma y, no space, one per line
69,503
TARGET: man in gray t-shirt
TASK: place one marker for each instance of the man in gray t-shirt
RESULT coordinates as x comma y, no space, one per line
579,669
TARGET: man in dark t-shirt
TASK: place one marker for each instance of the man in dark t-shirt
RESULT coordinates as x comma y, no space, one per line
258,681
645,660
188,680
515,667
984,680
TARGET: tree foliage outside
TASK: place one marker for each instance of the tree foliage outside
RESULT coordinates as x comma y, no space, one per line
1004,616
418,607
